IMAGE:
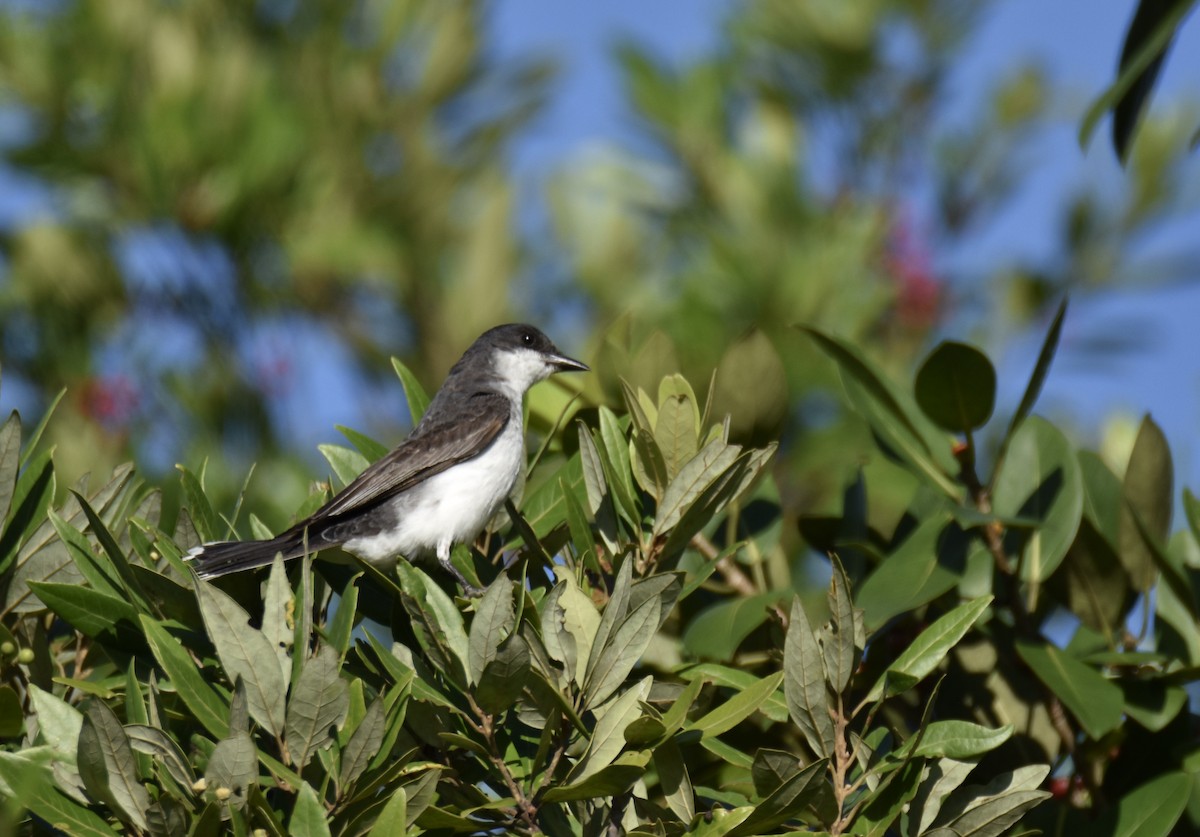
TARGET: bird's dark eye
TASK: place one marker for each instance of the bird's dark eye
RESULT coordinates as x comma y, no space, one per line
527,339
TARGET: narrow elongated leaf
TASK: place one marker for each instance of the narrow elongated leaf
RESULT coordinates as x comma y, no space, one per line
1095,701
1147,492
244,652
318,702
89,611
693,478
346,463
107,766
609,736
364,743
675,781
206,705
614,613
1152,809
944,776
611,780
804,682
884,806
308,816
1038,377
35,788
840,642
928,650
58,722
278,606
367,446
927,564
786,803
414,393
393,819
505,675
436,620
676,430
957,740
154,742
493,622
991,817
10,459
738,708
618,467
622,653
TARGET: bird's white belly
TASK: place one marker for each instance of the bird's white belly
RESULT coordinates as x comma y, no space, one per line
450,507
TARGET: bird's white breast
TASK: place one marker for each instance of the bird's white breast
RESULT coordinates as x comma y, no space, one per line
453,506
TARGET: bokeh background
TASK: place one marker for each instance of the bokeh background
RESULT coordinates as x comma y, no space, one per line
218,220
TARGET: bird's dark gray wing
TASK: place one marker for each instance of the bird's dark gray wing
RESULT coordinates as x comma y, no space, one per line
435,447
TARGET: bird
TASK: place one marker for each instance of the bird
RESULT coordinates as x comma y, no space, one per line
442,484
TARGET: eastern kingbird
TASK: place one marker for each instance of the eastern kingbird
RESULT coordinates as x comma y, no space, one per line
442,484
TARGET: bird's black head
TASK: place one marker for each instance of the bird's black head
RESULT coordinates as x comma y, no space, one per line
521,355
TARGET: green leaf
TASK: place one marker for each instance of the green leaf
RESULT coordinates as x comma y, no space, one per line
928,563
738,708
107,766
956,387
928,650
10,462
1094,700
492,623
414,393
1040,480
804,684
611,780
841,640
154,742
618,467
244,652
1149,36
278,607
367,446
90,612
943,777
676,429
206,705
206,521
751,387
34,786
890,416
675,782
1151,809
991,816
884,806
364,743
1147,492
956,740
346,463
569,625
58,722
693,478
435,619
716,633
1097,585
393,819
786,803
319,701
619,655
308,816
608,738
233,766
1034,388
505,675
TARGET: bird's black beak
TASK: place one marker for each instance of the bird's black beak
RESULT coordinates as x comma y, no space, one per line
562,363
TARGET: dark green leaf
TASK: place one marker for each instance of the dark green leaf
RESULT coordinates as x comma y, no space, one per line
841,646
492,623
927,564
675,782
189,683
414,393
233,766
1034,388
928,650
34,787
10,459
786,803
154,742
107,766
1095,701
717,632
613,779
364,743
244,652
804,682
884,806
618,656
1152,809
308,816
91,613
504,676
1040,480
1147,492
318,702
956,387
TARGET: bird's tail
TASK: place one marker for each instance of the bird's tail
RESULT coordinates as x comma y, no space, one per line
221,557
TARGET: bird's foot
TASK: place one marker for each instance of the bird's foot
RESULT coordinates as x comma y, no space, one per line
470,589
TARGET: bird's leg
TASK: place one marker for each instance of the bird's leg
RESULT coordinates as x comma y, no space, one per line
443,556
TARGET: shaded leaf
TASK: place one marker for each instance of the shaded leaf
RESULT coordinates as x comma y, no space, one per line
1095,701
804,682
318,702
956,387
1147,493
